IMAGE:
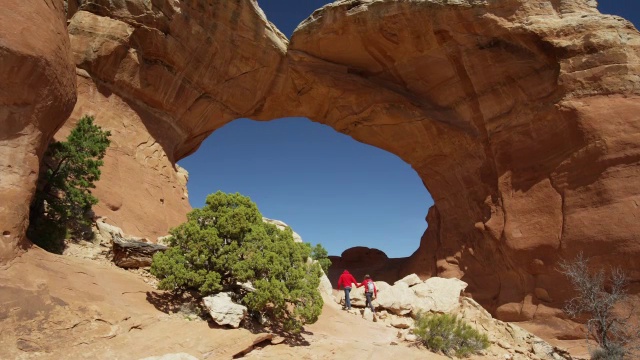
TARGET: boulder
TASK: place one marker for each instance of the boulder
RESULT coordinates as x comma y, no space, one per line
402,322
106,232
223,310
325,288
410,280
398,299
439,294
410,337
132,253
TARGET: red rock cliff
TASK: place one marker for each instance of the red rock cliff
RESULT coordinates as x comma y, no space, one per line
37,93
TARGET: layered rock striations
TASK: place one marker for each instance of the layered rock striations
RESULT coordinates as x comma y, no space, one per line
519,116
37,95
161,76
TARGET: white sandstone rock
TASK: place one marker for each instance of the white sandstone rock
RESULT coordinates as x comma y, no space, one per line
325,287
224,311
410,280
439,294
398,299
402,322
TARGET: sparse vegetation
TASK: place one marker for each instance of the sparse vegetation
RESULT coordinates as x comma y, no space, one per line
604,300
225,244
321,255
448,334
63,197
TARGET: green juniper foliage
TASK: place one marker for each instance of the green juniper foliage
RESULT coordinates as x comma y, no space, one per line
225,243
63,196
321,255
447,334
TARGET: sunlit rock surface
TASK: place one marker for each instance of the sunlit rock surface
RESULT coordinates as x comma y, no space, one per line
37,94
520,117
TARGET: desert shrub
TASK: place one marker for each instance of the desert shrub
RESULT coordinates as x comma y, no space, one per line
63,200
612,353
597,296
320,254
448,334
226,243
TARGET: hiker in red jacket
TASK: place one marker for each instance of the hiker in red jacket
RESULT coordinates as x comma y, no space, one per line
370,291
345,280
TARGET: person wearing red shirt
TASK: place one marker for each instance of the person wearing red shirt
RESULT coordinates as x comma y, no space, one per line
346,280
370,291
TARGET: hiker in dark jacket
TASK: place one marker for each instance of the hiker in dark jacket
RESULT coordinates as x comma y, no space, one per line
345,280
370,291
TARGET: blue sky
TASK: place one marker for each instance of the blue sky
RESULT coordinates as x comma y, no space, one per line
328,187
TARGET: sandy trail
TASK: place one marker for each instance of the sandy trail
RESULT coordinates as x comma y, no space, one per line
60,307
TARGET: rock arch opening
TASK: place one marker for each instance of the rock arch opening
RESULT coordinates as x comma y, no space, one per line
326,186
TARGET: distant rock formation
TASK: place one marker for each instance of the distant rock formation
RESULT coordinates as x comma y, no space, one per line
520,117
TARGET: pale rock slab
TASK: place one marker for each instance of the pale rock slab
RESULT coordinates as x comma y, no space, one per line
410,280
224,311
439,294
398,299
402,322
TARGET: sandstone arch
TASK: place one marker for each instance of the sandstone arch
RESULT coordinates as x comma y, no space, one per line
520,117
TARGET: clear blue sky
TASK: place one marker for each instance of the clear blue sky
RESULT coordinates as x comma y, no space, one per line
328,187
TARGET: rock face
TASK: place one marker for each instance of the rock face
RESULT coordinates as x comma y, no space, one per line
501,110
520,116
38,93
223,310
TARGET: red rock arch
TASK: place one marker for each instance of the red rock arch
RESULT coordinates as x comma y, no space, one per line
520,119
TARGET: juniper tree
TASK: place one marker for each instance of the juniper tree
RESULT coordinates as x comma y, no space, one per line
63,195
226,243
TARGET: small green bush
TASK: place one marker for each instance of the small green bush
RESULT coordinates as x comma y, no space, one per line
447,334
612,353
320,254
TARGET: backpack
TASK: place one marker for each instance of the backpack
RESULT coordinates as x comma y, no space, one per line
370,286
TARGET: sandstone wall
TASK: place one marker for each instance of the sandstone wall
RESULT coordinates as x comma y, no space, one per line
37,93
519,116
162,76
